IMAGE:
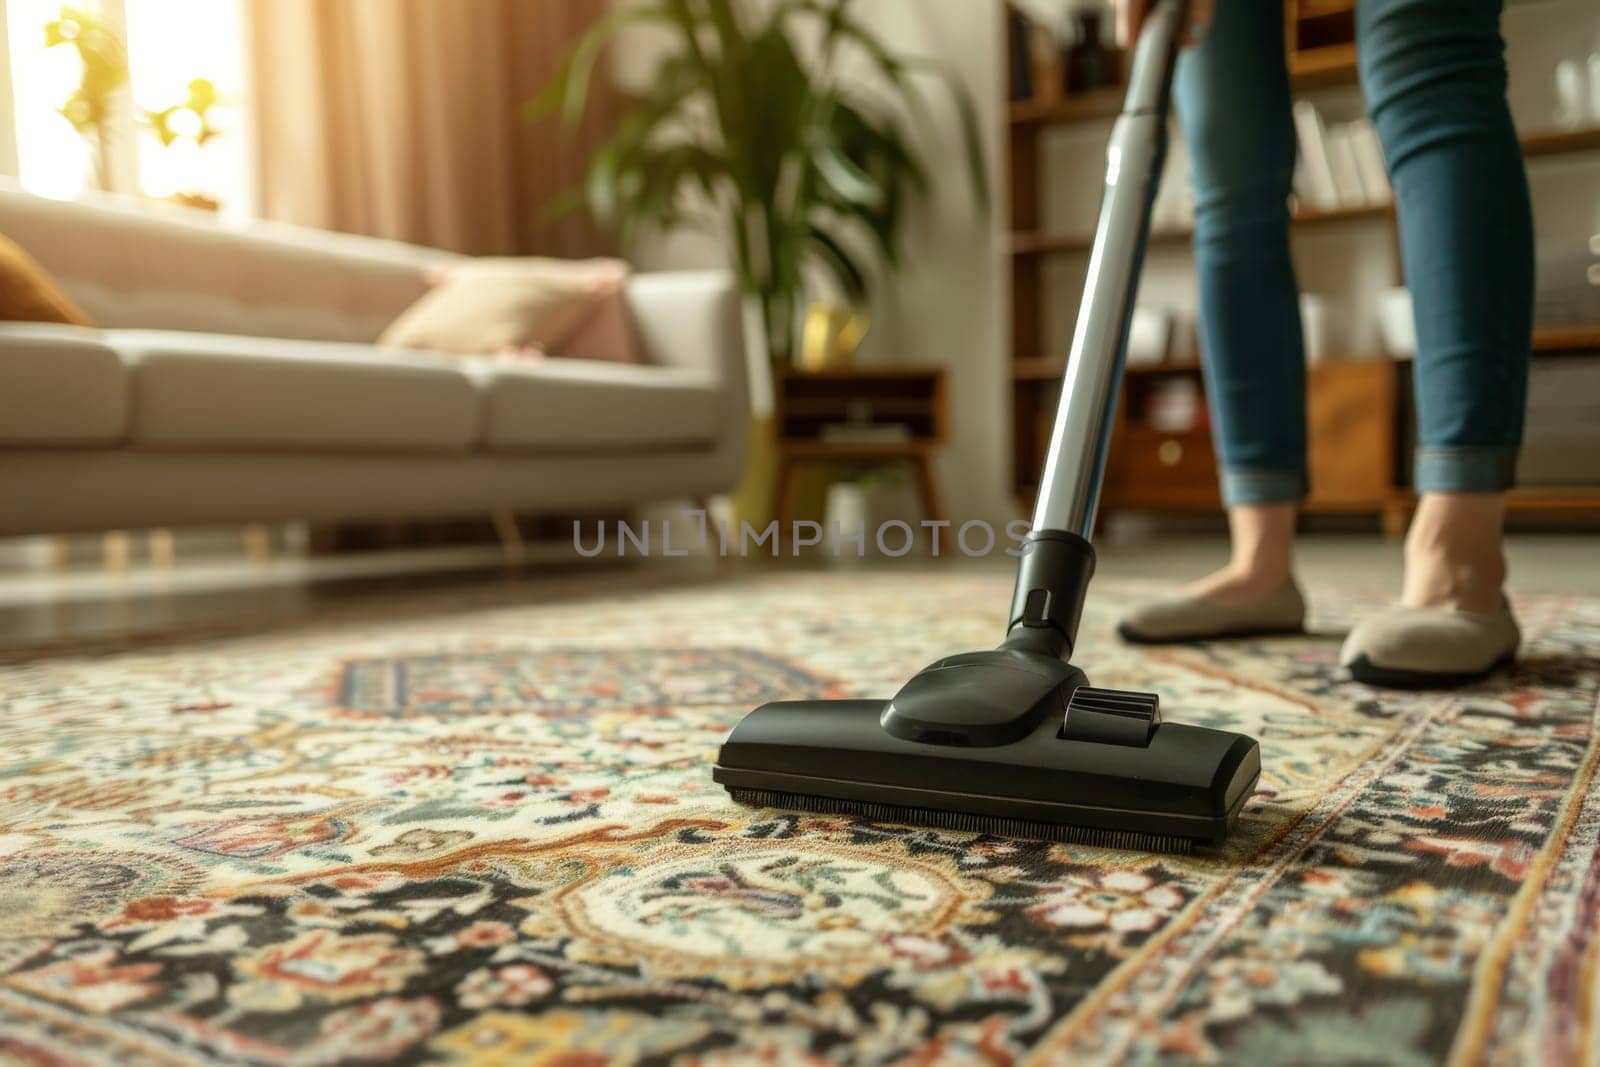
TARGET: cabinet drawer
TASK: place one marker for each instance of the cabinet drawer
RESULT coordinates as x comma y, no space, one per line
1148,468
1351,434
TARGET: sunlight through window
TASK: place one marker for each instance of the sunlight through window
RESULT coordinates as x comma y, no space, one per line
178,128
172,45
52,159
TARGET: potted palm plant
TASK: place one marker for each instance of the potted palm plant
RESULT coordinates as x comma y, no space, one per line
786,121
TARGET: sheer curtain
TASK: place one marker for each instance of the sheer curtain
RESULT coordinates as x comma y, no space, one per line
402,119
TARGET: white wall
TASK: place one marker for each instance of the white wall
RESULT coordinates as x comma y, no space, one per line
950,303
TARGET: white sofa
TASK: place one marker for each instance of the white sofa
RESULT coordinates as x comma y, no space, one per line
234,378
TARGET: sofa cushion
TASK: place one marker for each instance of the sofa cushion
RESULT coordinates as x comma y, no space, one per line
218,391
60,385
573,405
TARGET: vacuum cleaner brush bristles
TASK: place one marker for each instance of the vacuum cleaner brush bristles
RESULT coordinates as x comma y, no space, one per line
999,825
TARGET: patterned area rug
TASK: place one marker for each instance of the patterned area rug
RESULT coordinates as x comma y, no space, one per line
491,835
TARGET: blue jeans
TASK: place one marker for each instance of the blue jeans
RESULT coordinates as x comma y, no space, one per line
1434,76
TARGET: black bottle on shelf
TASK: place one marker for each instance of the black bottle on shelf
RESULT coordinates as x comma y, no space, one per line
1021,55
1087,62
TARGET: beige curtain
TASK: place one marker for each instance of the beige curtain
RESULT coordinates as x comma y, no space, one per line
402,119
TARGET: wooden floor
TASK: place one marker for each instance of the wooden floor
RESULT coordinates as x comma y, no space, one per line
197,600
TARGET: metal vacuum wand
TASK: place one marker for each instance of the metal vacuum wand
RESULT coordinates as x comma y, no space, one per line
1057,560
1069,492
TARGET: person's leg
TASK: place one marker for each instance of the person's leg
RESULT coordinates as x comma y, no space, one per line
1233,103
1437,93
1233,100
1436,88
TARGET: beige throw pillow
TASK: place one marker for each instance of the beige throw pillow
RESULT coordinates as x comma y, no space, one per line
492,305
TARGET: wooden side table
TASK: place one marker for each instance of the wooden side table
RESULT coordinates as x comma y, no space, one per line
860,415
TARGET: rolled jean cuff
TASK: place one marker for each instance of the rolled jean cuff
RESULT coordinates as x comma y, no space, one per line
1464,470
1263,485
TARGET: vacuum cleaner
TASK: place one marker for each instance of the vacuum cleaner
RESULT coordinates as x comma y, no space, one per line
1015,741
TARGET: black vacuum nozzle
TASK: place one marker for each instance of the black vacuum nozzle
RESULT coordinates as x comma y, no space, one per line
1012,740
1181,784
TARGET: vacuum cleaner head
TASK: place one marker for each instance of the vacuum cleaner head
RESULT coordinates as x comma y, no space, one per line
1008,742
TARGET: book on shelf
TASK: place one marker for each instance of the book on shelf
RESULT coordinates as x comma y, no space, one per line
1340,165
1341,151
1369,161
1316,188
1149,336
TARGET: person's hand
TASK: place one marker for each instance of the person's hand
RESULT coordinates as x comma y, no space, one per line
1131,15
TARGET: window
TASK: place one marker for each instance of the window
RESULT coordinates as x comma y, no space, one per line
171,43
177,129
51,158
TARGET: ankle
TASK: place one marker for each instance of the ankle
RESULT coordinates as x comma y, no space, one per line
1262,540
1456,584
1265,570
1453,552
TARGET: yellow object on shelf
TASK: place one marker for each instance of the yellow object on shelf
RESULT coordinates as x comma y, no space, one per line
831,336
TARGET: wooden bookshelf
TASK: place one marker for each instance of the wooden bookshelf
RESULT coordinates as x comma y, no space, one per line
1034,244
1037,368
1328,65
1580,338
1547,340
1066,110
1559,502
1560,142
1320,53
1534,146
1051,368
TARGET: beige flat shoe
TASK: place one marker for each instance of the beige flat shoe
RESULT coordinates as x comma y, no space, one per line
1199,619
1429,648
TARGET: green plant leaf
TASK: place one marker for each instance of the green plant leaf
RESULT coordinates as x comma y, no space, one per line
897,70
806,167
565,204
849,181
831,254
971,128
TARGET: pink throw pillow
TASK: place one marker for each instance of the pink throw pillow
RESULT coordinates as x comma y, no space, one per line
489,305
608,336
